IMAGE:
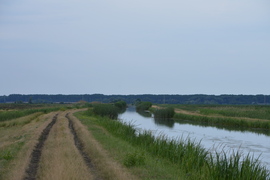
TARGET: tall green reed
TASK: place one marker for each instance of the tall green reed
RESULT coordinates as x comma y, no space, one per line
224,121
189,154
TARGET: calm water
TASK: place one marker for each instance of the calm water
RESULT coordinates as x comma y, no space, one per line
211,138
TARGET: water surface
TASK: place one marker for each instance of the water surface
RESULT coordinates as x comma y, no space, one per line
212,138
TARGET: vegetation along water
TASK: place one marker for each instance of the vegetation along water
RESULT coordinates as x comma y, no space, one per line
194,161
139,154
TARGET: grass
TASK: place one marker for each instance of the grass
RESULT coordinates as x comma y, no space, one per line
16,144
193,161
146,166
164,113
7,155
134,159
143,106
220,166
224,121
247,111
107,110
241,116
21,121
105,165
13,114
258,112
60,158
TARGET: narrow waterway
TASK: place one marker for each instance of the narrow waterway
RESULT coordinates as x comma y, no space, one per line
211,138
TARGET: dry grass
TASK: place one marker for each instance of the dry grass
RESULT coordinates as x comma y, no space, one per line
107,167
28,134
20,121
60,158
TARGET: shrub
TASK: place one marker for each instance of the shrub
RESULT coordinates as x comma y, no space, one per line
121,104
164,113
108,110
142,106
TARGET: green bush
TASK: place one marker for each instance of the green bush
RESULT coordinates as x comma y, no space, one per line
108,110
164,113
142,106
121,104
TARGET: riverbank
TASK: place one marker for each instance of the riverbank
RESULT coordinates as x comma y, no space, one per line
234,116
136,160
116,150
179,159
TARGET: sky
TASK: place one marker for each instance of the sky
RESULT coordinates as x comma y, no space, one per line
134,47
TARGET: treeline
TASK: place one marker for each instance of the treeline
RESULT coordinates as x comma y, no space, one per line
130,99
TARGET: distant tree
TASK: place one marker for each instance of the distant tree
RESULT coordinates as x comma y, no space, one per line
120,104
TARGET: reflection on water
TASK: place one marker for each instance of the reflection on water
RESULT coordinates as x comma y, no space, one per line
144,113
166,122
228,128
256,143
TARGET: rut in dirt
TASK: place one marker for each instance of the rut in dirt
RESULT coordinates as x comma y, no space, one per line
32,169
80,147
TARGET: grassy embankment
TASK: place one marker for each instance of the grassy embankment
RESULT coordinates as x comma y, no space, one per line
161,158
143,155
241,116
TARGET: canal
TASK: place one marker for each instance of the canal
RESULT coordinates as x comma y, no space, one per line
211,138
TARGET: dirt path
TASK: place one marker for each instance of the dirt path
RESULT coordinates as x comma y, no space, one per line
66,150
26,135
36,154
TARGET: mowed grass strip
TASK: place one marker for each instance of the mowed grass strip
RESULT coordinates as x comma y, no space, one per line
60,158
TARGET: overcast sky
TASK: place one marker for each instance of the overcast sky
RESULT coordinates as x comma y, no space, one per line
135,47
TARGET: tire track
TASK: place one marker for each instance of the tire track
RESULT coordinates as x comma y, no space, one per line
32,169
79,146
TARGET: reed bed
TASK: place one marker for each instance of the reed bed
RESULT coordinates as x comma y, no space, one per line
225,121
164,113
143,106
222,167
258,112
108,110
189,155
247,111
